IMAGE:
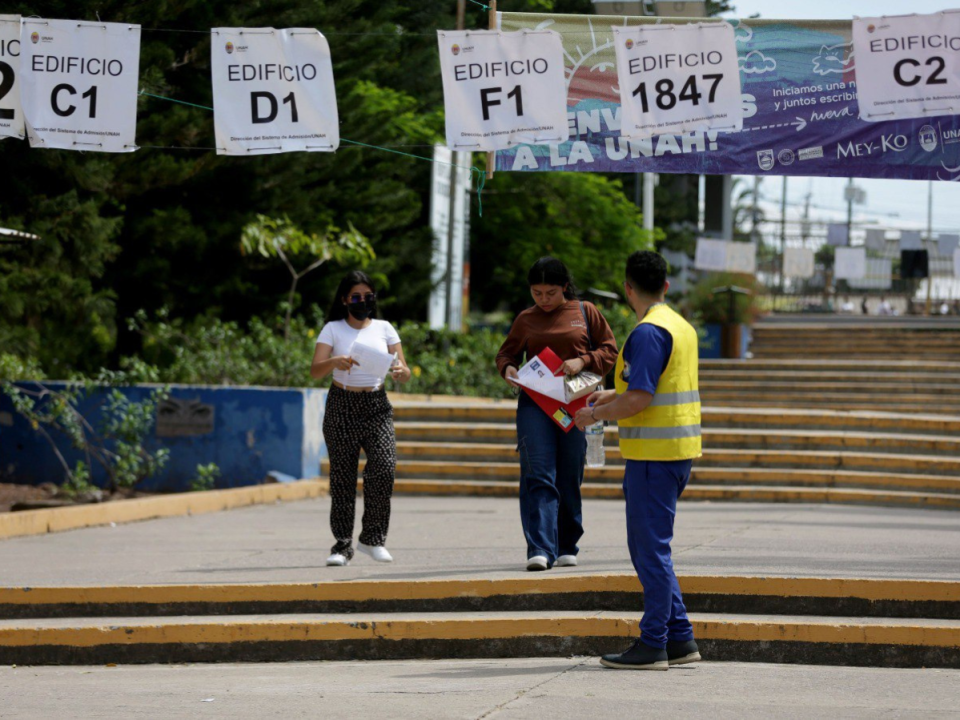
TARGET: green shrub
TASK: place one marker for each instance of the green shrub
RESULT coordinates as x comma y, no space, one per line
206,478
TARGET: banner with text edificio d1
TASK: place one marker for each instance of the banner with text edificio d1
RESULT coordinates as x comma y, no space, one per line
801,115
273,91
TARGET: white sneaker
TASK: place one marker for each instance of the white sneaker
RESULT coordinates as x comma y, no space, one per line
566,561
378,553
337,560
537,562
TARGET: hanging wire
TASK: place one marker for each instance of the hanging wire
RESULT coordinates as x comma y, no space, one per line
481,174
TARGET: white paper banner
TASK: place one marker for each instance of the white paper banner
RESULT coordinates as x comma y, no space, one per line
910,240
876,239
501,89
11,112
798,263
837,234
879,275
79,84
273,91
946,244
956,263
742,257
711,255
908,66
850,263
678,79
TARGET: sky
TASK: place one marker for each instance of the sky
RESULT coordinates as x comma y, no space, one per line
894,203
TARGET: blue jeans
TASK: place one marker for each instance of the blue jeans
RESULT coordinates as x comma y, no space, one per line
551,471
651,490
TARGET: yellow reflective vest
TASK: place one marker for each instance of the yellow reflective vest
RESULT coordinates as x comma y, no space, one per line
669,429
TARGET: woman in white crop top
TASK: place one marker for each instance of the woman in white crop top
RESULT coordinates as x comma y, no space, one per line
358,416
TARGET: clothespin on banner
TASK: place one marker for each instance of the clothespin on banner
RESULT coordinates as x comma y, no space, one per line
492,25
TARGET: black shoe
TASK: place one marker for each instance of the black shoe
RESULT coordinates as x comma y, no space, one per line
638,656
681,653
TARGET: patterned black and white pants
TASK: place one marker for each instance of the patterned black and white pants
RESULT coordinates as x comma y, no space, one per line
355,421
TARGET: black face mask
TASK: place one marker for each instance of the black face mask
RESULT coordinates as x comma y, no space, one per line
362,310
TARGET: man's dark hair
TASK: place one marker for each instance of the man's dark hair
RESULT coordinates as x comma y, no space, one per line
647,272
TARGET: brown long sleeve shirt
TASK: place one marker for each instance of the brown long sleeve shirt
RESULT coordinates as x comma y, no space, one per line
562,331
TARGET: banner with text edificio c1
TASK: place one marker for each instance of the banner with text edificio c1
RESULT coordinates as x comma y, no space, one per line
800,110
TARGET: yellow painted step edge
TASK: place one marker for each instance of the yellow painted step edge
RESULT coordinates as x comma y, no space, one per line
226,630
39,522
359,590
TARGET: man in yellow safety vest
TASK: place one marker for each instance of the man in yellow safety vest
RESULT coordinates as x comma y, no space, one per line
657,406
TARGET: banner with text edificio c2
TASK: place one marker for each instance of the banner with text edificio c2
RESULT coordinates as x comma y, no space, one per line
801,116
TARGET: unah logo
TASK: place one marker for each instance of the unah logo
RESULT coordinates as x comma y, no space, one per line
871,28
35,38
928,138
765,159
629,44
229,48
786,157
455,49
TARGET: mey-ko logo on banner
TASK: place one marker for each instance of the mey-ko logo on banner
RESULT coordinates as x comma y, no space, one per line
888,143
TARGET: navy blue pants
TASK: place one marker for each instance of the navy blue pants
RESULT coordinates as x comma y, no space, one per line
651,490
551,471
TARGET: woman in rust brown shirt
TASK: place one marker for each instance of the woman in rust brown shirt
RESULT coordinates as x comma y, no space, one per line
551,460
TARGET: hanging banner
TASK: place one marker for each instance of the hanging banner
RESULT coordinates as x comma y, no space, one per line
878,276
677,79
798,263
711,255
946,244
11,112
79,84
876,239
850,263
956,263
273,91
502,89
908,66
799,101
837,234
742,258
911,240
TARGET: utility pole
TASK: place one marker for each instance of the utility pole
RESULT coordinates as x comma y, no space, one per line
929,241
783,231
453,323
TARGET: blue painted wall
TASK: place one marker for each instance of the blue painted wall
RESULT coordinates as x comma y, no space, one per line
256,430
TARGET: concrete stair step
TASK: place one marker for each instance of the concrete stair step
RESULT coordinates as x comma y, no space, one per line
697,492
441,435
257,638
887,365
931,392
413,452
558,591
911,381
839,403
486,415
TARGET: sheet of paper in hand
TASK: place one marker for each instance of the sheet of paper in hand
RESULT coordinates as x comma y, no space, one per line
371,360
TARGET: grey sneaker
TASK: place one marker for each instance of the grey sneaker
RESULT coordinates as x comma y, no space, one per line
681,653
638,656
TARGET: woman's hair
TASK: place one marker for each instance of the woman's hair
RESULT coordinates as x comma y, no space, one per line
338,311
550,271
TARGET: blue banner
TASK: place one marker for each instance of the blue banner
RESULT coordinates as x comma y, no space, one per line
799,95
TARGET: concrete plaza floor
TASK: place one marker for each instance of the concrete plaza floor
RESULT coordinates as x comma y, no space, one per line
456,537
489,689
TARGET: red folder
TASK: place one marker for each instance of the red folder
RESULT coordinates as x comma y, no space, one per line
561,414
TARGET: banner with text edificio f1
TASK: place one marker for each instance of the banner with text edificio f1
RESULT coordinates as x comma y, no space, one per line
800,110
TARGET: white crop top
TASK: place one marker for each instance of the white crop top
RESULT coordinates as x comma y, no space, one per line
340,336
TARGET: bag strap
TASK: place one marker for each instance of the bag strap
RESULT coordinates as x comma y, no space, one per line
586,322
